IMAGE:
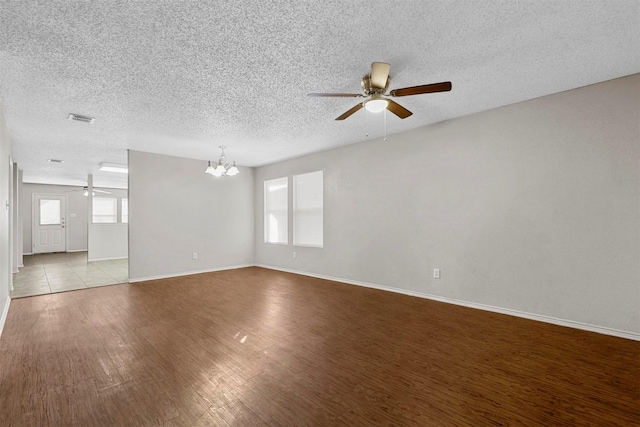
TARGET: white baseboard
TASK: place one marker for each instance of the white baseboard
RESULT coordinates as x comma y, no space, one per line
541,318
5,312
28,253
188,273
106,259
77,250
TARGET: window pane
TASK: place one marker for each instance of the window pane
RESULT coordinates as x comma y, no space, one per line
125,210
49,212
105,210
275,211
308,206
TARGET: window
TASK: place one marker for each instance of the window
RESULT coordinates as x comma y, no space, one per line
49,212
308,209
275,211
125,210
105,210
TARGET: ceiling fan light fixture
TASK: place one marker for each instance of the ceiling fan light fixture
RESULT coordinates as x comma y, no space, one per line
374,86
376,105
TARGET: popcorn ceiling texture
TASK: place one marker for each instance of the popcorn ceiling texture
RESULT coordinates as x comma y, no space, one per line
182,78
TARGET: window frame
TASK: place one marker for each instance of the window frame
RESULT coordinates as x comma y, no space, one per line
123,201
58,210
93,210
266,209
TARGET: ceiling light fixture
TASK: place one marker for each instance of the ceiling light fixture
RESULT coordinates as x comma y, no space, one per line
221,168
55,161
375,105
81,118
113,167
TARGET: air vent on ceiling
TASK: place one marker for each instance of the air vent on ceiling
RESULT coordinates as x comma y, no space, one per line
55,161
81,118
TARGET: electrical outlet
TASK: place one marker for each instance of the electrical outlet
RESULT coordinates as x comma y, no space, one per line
195,255
295,255
436,273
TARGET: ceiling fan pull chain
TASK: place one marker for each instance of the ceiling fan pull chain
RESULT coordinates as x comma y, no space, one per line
366,122
385,124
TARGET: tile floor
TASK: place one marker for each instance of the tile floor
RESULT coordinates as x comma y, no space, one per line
59,272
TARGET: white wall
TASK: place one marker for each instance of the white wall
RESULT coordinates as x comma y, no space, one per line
6,273
109,241
20,227
176,209
533,207
16,249
76,214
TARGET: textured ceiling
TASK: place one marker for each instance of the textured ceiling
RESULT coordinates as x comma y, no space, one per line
182,78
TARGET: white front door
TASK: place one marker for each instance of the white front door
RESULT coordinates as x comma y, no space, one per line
49,212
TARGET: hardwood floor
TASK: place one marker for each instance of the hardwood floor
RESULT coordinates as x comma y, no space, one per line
254,347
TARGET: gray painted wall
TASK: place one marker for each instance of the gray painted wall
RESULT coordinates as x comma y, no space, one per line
176,209
76,204
5,226
19,232
16,247
531,207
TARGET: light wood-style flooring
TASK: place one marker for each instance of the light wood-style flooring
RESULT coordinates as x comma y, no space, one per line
255,347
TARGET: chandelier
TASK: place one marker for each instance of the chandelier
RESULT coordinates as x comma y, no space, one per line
221,168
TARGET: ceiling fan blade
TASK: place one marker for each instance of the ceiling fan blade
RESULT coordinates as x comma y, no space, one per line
379,75
339,95
398,109
350,112
417,90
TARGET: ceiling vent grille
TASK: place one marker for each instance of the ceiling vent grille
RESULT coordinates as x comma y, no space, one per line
81,118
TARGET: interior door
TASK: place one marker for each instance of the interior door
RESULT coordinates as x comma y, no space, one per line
49,212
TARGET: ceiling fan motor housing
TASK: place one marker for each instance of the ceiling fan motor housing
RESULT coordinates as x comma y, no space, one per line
368,89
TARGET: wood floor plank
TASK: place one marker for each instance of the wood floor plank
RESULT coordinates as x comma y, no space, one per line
259,347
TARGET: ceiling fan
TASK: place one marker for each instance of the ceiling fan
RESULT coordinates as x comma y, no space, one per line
85,191
374,86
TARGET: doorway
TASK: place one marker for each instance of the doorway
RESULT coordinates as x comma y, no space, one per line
48,226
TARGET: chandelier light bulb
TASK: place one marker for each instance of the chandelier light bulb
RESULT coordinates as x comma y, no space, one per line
233,170
219,170
210,169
